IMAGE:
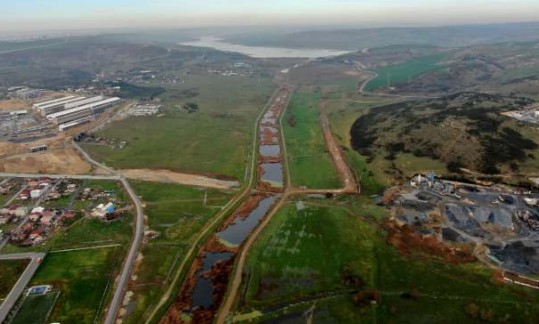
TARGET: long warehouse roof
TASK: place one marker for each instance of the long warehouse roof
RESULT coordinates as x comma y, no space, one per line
83,102
44,103
88,106
59,103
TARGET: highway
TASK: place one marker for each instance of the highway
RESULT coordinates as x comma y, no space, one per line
24,279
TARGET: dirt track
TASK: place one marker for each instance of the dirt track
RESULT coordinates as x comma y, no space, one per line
180,178
347,177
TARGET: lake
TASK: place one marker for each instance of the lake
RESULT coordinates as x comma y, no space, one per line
263,52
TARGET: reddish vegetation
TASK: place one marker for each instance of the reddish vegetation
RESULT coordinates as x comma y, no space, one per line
244,210
405,240
266,187
267,137
214,245
219,274
269,159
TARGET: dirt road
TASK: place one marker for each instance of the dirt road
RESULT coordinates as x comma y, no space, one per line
180,178
348,179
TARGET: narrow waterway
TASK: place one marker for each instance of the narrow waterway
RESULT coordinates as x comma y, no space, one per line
202,293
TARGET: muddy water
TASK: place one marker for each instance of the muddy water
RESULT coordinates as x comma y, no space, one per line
272,172
242,227
203,293
270,150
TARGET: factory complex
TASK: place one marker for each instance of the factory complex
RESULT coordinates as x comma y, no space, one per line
72,111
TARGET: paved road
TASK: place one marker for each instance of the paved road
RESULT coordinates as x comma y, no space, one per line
122,280
374,75
88,158
24,279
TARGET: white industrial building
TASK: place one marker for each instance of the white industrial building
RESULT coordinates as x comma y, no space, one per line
74,114
83,102
57,106
75,123
48,102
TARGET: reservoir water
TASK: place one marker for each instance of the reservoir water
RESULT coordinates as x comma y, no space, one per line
263,52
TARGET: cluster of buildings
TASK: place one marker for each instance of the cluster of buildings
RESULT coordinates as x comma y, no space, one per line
22,92
72,111
112,143
40,224
430,181
34,222
36,189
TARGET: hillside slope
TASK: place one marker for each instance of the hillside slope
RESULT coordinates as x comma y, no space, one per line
461,130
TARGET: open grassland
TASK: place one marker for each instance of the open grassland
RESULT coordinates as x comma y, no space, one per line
36,308
177,213
10,271
321,256
304,251
82,277
309,160
214,140
404,71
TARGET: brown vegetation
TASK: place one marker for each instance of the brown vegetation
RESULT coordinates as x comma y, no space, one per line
406,240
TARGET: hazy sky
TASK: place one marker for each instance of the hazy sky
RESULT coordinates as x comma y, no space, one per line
83,14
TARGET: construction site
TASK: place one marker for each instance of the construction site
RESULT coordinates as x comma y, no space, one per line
496,224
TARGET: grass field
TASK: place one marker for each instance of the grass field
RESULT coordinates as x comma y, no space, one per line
310,163
304,251
304,255
178,213
82,277
36,308
405,71
10,271
215,140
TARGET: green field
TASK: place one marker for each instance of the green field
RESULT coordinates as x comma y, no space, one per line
178,213
10,271
36,308
214,140
309,161
82,277
322,255
405,71
304,251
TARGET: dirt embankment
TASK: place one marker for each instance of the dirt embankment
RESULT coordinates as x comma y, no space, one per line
347,177
180,178
60,161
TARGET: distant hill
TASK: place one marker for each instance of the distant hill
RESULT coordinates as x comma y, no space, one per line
505,68
462,130
75,61
356,39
